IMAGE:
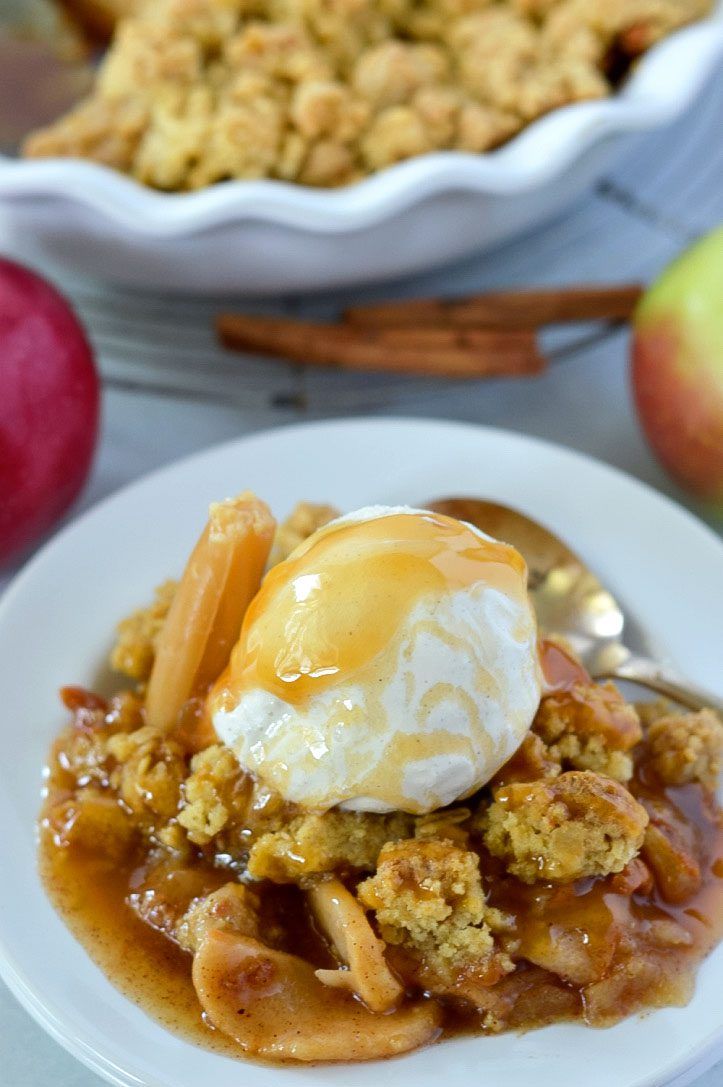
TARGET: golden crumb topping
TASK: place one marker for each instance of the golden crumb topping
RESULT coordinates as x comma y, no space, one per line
310,844
427,896
213,791
686,747
322,92
302,522
532,761
223,807
579,824
149,772
590,727
135,647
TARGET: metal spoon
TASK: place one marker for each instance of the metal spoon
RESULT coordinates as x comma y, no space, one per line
571,601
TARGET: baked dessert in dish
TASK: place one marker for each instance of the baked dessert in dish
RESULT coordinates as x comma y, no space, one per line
194,92
349,801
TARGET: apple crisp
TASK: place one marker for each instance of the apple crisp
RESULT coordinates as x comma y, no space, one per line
583,882
324,92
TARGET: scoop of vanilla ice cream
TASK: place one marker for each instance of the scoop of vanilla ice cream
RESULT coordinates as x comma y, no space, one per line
389,664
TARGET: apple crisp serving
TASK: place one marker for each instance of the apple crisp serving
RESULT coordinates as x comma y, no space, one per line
583,881
324,92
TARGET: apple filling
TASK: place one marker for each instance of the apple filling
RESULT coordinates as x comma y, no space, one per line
583,882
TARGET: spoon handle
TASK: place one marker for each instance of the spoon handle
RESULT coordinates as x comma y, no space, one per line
663,681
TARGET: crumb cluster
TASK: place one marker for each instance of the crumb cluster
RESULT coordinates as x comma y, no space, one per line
590,727
579,824
428,897
312,844
687,747
135,647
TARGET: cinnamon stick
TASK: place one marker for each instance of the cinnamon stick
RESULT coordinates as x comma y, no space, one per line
441,352
504,309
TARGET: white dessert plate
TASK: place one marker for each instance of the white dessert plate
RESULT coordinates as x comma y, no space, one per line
56,624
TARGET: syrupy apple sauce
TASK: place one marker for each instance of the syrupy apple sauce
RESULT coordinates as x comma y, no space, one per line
120,864
584,881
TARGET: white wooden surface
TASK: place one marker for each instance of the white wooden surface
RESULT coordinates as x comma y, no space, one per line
169,390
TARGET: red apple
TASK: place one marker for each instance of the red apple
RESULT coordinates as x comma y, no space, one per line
677,368
49,404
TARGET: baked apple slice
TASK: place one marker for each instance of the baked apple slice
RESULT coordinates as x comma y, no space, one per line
273,1005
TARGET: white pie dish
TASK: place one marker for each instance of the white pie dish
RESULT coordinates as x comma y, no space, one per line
255,237
56,621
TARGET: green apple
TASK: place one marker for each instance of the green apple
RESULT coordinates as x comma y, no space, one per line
677,368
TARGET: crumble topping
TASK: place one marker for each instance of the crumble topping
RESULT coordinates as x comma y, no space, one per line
148,773
533,761
686,747
213,793
579,824
590,727
323,92
427,896
135,647
311,844
304,520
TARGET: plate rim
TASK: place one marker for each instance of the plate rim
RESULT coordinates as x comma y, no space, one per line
361,422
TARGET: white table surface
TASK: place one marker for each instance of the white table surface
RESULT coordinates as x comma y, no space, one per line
168,390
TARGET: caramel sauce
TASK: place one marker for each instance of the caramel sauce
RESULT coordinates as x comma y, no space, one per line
560,670
339,602
124,912
91,895
94,897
